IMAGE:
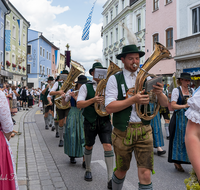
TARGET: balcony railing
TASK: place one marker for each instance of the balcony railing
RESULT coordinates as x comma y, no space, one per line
132,2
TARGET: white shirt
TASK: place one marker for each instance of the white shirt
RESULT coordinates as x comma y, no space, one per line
83,91
14,96
175,94
112,91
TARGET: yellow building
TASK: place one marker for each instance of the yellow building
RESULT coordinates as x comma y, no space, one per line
61,64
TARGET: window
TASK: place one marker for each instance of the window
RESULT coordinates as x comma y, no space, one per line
196,20
43,52
40,51
116,9
7,25
106,62
155,5
13,59
7,56
122,4
107,41
111,15
43,70
168,1
169,38
24,39
122,30
49,56
155,39
111,38
106,19
14,32
2,14
53,58
116,34
40,69
111,58
2,30
1,59
29,49
28,68
47,71
138,23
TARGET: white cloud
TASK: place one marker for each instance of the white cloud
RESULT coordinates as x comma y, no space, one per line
42,16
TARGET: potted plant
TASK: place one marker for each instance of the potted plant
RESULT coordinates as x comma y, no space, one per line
24,68
13,65
19,67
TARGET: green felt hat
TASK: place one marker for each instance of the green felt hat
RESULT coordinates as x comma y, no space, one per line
65,72
185,76
96,65
57,78
130,49
50,78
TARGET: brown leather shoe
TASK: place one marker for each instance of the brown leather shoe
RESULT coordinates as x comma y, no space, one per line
179,167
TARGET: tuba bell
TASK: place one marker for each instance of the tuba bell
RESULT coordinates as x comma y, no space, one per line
68,84
100,108
159,53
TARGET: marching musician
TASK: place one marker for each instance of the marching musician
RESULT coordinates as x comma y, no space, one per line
130,133
61,113
95,125
47,107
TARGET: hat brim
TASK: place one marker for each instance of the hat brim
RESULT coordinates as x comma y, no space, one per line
119,56
90,71
186,78
82,82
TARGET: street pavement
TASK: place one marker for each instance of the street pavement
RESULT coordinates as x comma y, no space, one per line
42,165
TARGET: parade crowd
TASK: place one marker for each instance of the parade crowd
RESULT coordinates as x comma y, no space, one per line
122,132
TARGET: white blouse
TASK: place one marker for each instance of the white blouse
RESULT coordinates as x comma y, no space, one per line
175,94
5,116
193,112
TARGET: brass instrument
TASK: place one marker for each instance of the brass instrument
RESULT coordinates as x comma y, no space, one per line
159,53
100,108
68,84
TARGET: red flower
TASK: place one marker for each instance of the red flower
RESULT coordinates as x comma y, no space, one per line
19,67
8,63
13,65
24,68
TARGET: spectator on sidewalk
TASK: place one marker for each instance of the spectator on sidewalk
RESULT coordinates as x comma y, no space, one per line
7,166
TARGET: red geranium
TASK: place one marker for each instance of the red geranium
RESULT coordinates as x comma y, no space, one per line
19,67
24,68
8,63
13,65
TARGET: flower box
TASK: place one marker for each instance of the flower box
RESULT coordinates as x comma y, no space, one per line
13,65
8,63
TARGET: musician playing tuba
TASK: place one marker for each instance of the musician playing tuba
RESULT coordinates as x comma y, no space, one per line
130,133
61,113
95,125
47,108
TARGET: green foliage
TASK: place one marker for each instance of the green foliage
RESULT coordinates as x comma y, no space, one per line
192,182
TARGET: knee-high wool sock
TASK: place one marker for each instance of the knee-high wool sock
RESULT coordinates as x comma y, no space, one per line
146,187
117,184
46,120
167,129
56,126
61,132
50,118
88,157
109,159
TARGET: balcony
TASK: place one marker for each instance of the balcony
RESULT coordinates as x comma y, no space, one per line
110,49
122,42
116,46
106,51
132,2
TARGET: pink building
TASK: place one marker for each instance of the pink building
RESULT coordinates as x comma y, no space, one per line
161,26
54,60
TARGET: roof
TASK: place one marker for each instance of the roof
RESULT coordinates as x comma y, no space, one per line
47,41
6,5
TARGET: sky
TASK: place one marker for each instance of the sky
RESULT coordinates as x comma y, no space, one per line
62,22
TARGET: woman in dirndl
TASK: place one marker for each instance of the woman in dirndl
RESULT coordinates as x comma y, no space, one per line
74,137
177,127
192,137
14,101
8,179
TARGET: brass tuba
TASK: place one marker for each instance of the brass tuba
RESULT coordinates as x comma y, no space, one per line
68,84
159,53
100,108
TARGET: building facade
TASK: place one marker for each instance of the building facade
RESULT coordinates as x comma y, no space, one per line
117,16
61,64
54,60
161,26
16,35
4,10
188,42
39,59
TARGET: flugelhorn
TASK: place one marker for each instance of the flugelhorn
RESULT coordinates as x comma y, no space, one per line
100,108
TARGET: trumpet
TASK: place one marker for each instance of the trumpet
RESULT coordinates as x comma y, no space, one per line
66,95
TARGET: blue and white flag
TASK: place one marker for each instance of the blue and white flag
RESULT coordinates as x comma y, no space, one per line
86,29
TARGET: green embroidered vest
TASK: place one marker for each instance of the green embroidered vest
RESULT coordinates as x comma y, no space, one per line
89,112
121,118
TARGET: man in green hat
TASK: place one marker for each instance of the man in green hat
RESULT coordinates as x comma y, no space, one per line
130,133
47,107
95,124
61,113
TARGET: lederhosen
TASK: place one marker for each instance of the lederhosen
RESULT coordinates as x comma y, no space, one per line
128,137
61,113
95,124
45,101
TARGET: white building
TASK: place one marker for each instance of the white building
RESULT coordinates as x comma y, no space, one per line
131,14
